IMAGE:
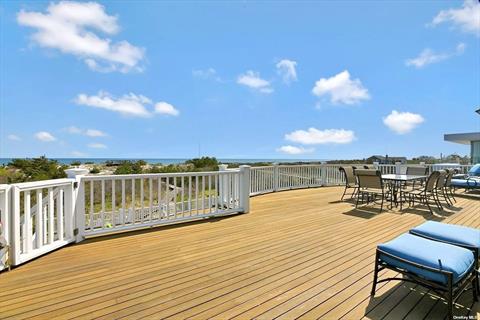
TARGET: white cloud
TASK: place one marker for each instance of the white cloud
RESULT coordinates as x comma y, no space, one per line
403,122
295,150
130,105
252,80
206,74
341,89
466,18
315,136
44,136
97,146
95,133
166,108
69,26
13,137
85,132
286,69
428,56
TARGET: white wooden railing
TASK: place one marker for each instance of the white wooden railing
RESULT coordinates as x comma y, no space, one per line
286,177
51,225
125,202
38,217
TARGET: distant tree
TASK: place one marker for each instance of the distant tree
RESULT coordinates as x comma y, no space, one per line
35,169
75,163
94,170
129,167
204,163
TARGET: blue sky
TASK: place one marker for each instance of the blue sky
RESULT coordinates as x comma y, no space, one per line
320,80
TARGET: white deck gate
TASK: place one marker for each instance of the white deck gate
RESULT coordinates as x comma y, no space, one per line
41,218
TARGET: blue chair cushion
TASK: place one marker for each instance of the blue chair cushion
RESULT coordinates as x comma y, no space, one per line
434,254
466,183
450,233
475,170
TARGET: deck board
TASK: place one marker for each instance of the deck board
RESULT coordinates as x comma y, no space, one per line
297,254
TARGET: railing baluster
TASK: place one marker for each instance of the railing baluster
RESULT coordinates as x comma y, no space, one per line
92,204
39,220
150,197
142,199
50,216
27,237
113,203
122,218
133,204
102,214
60,214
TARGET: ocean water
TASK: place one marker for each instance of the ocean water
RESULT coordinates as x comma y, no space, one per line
67,161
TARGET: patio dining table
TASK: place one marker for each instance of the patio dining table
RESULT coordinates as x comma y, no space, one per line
395,182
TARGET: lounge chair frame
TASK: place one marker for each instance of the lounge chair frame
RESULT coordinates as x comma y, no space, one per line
475,250
348,185
451,291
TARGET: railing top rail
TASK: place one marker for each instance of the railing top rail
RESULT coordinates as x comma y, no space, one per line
24,186
156,175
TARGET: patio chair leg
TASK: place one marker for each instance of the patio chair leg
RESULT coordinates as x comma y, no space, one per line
358,199
437,201
375,275
381,204
447,198
428,205
452,194
344,191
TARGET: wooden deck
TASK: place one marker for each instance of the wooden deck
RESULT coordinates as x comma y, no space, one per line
297,254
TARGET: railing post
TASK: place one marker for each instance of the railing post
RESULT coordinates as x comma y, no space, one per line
245,188
223,182
15,226
398,167
78,202
323,174
276,177
4,226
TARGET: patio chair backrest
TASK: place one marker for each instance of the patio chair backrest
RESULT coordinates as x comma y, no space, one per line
349,176
441,179
431,181
369,178
448,180
417,170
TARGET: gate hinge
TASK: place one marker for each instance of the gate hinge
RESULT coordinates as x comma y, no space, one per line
75,185
75,231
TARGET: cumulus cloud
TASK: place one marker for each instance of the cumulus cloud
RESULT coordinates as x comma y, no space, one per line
44,136
73,27
85,132
315,136
286,69
97,146
166,108
295,150
466,18
428,56
252,80
341,89
403,122
13,137
206,74
131,105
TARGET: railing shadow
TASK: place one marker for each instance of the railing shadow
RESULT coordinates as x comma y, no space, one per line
151,229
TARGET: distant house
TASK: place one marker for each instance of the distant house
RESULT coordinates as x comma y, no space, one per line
386,159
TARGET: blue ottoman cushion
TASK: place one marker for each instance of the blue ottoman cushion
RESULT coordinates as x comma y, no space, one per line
433,254
466,183
450,233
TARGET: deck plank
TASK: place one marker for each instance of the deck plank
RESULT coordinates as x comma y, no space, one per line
299,253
